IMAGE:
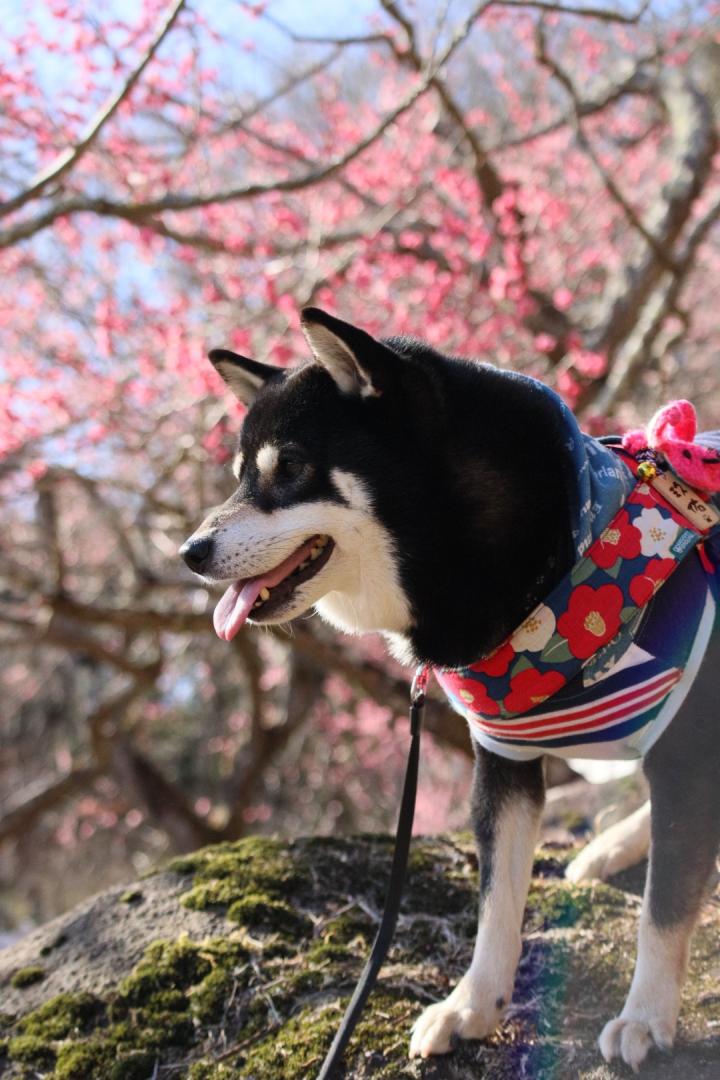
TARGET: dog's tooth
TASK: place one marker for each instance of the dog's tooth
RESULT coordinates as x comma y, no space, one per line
316,553
264,595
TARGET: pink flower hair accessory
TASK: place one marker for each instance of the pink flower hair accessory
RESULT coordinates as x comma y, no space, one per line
672,432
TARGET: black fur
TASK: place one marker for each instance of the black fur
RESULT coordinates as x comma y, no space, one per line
465,472
683,769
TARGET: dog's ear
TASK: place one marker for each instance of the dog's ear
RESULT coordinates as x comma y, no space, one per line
356,361
243,376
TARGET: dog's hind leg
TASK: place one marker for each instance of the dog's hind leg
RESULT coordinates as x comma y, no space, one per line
622,845
508,798
683,769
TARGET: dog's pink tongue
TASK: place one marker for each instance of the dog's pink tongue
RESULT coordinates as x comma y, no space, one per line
234,607
236,602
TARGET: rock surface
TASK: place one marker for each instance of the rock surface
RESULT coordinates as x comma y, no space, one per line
236,961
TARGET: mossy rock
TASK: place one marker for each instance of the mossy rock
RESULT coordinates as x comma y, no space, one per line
27,976
240,960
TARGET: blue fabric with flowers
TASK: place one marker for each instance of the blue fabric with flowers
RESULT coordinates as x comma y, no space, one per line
594,670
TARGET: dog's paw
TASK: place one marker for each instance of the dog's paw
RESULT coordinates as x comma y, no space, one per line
620,846
459,1016
596,862
631,1039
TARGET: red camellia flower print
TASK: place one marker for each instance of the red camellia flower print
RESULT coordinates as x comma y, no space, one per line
592,618
645,585
529,688
619,539
498,662
471,694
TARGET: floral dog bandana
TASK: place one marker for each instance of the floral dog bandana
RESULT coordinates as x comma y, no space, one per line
600,645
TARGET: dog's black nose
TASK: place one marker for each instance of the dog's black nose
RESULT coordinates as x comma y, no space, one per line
196,553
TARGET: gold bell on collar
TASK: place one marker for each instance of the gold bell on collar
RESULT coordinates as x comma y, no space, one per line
647,470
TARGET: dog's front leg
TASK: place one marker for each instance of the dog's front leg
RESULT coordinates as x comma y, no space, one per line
507,803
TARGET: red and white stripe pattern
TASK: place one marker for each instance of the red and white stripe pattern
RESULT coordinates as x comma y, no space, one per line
609,711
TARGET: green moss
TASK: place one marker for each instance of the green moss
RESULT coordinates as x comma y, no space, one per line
232,874
266,861
84,1061
299,1047
352,928
274,995
175,986
206,1070
164,1029
27,976
209,894
259,911
349,928
62,1016
555,904
209,998
137,1065
131,896
551,860
32,1050
166,966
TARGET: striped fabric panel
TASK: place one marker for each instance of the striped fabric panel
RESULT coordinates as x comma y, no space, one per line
609,711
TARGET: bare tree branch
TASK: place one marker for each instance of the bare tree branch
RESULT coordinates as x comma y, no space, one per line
630,358
19,816
340,40
48,522
290,84
608,181
164,803
638,81
602,14
70,157
690,107
267,742
139,212
489,180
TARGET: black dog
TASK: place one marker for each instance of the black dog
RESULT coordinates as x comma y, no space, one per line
395,489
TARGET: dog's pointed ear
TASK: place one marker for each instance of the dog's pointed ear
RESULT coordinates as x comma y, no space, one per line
356,361
243,376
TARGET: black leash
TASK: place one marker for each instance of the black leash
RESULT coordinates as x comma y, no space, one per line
386,929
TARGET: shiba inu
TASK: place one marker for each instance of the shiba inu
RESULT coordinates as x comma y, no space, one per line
441,502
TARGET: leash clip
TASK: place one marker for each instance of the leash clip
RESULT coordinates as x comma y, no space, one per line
419,685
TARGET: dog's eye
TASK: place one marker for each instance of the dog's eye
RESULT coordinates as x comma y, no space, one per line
290,468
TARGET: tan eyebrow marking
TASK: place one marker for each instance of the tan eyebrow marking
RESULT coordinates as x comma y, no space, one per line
266,460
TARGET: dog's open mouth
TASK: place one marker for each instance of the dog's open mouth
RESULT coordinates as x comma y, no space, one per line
262,596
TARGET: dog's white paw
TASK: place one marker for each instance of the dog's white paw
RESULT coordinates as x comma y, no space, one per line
462,1015
596,862
620,846
631,1038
